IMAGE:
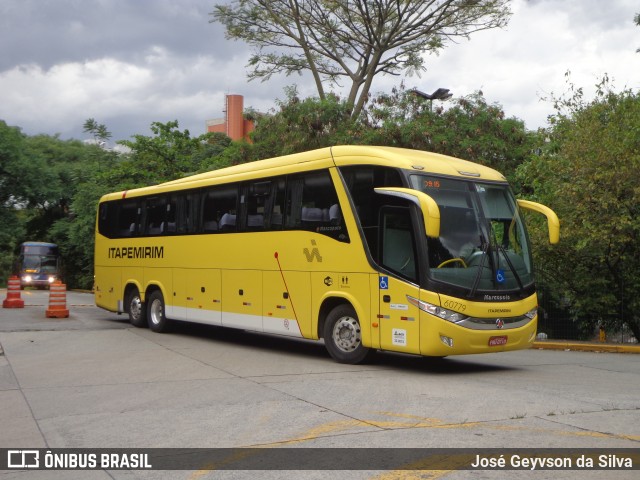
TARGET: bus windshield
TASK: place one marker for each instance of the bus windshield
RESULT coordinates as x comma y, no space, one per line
483,245
40,264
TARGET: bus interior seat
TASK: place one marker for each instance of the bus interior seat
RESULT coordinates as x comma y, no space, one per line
335,214
255,221
228,222
276,219
310,214
167,227
210,226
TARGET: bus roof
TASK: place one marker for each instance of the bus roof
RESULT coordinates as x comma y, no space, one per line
38,244
343,155
408,159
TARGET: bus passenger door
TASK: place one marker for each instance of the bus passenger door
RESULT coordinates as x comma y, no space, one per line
399,319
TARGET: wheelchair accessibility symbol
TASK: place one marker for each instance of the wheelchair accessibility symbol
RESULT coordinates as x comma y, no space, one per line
384,283
500,278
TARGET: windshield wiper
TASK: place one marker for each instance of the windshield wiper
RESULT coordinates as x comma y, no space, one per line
502,250
476,280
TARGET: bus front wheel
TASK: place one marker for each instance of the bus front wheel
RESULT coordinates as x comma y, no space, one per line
343,336
156,318
136,309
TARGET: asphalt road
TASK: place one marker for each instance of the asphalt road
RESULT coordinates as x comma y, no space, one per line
93,381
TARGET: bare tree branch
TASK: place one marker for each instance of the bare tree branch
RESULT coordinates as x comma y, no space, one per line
352,39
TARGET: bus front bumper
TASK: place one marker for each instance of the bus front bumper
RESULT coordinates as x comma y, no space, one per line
442,338
39,281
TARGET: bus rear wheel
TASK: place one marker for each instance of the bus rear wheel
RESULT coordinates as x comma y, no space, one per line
343,336
136,309
156,318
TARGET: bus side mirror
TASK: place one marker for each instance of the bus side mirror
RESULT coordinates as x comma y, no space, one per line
428,206
553,222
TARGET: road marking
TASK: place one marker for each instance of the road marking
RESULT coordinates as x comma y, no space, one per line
411,471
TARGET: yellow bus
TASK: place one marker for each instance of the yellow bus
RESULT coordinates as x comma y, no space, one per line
368,248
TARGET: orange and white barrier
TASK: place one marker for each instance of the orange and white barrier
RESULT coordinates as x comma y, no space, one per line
13,299
57,301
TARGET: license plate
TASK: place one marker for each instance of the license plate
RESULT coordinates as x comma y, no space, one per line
497,341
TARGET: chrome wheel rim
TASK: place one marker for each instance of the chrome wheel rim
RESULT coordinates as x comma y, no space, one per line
156,314
346,334
135,308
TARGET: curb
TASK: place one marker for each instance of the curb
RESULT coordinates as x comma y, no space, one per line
588,347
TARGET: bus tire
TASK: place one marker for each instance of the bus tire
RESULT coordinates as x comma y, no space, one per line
136,309
343,336
156,317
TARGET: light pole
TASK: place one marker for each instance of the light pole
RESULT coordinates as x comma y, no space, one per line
439,94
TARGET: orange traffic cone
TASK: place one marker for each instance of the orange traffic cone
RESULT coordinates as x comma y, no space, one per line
13,299
57,301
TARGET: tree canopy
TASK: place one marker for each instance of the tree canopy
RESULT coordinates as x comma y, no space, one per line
588,173
585,166
352,40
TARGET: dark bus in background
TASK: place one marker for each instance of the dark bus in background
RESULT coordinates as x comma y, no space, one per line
38,265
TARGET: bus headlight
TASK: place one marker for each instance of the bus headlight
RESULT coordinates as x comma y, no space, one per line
27,278
531,314
52,279
440,312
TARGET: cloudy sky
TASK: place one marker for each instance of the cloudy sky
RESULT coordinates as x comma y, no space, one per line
128,63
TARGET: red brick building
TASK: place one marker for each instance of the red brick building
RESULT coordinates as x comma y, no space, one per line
234,125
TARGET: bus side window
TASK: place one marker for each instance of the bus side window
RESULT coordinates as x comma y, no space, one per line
256,196
361,181
219,209
209,218
156,209
276,204
312,204
295,186
187,212
107,225
129,218
169,226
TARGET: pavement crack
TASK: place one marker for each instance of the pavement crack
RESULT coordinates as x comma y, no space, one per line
592,432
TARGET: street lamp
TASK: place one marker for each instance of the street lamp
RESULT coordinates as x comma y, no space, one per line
439,94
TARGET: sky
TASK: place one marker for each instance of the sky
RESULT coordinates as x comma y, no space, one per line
128,63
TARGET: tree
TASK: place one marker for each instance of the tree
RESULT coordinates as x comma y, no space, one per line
97,130
40,177
12,165
588,174
352,40
169,154
302,125
470,128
